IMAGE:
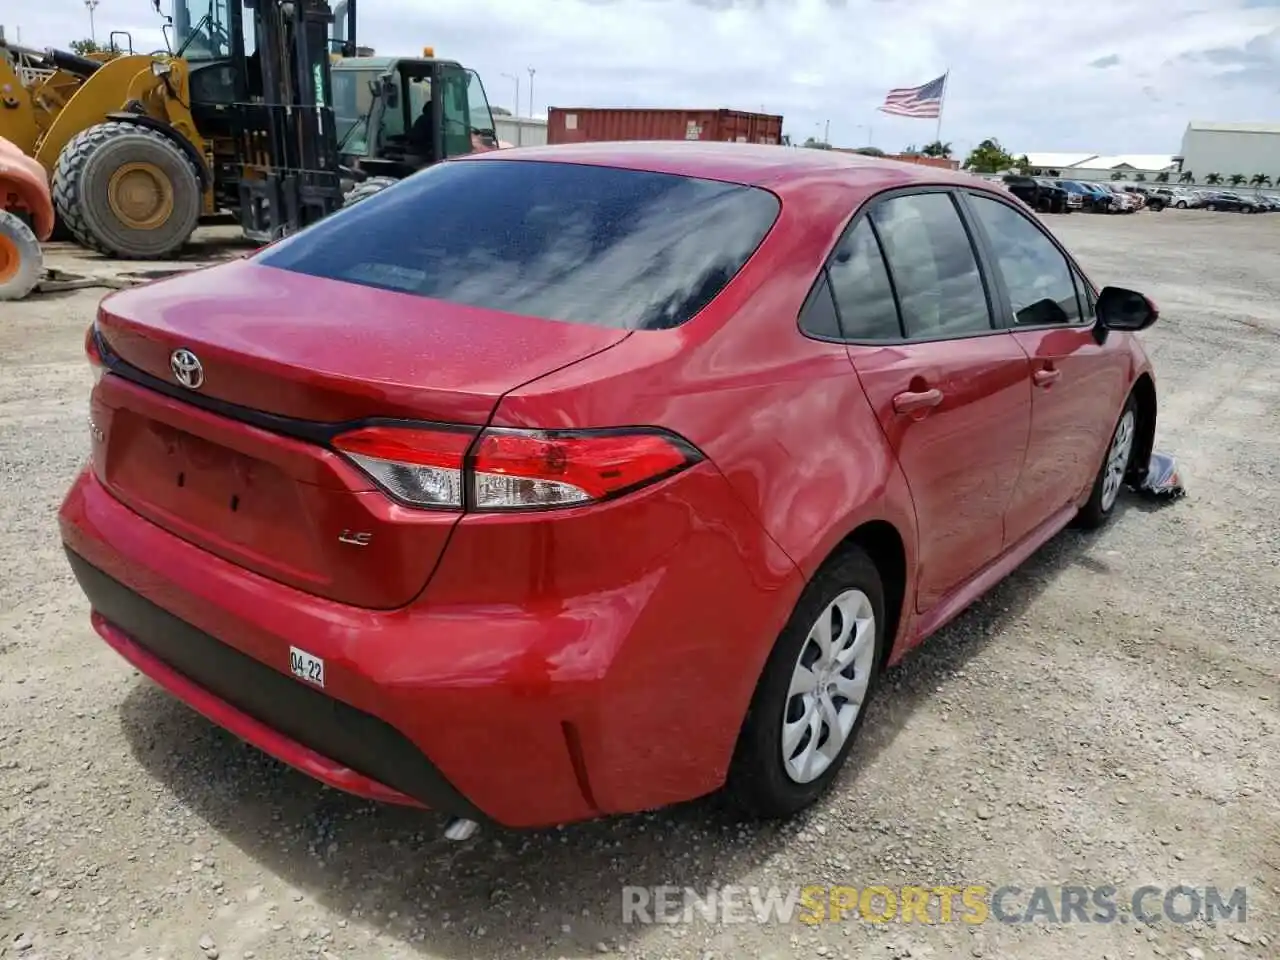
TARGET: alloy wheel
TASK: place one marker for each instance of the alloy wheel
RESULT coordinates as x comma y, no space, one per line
1118,459
828,686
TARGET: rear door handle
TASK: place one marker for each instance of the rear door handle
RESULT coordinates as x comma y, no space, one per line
1045,376
913,400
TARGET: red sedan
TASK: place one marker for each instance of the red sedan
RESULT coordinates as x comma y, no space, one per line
561,482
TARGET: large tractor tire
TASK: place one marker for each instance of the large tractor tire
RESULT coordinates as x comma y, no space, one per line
127,191
20,258
367,188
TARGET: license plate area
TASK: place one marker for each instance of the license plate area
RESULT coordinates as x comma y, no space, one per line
198,481
306,666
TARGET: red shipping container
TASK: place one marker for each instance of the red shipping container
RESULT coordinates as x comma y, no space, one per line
588,124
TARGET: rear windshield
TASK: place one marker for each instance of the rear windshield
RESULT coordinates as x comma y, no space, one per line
586,244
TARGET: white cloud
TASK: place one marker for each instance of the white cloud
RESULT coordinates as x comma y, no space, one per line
1020,70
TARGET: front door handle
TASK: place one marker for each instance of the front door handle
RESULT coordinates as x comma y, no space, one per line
1046,376
913,400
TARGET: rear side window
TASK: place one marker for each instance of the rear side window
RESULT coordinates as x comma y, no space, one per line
578,243
861,286
935,273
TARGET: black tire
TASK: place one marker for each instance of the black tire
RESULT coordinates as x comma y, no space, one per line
1210,206
758,783
81,180
1093,515
20,258
1182,204
367,188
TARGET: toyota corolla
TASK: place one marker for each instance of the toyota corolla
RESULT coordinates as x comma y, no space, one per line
563,482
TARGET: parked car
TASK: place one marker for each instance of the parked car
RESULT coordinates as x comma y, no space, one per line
562,482
1103,200
1083,197
1186,199
1039,194
1225,200
1148,198
1122,202
1071,201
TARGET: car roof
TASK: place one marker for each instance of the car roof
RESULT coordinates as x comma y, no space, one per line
759,165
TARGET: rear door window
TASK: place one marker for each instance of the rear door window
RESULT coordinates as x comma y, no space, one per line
934,270
861,286
585,244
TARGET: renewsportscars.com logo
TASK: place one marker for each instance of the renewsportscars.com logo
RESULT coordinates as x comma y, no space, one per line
970,904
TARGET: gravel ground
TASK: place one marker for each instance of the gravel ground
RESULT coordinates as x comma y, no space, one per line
1108,715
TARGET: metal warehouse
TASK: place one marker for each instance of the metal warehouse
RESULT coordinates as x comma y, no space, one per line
1231,148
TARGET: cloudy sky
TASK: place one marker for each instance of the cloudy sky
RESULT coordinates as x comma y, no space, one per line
1118,76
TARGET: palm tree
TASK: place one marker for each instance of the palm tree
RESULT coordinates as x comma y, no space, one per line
1187,177
937,149
1236,179
1260,180
1140,177
1213,179
1162,177
1117,175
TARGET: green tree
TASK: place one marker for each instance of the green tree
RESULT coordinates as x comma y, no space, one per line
1213,179
1022,164
1162,177
816,144
1117,174
1187,177
1236,179
989,157
937,149
870,151
1260,180
1140,177
87,46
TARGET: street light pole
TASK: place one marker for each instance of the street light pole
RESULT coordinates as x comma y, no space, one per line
91,5
531,73
516,78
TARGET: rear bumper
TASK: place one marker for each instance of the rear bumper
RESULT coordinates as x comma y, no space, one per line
562,701
324,738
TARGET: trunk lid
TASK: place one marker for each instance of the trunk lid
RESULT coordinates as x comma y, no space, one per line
238,465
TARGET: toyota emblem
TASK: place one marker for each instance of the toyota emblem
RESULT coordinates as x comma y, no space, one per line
186,368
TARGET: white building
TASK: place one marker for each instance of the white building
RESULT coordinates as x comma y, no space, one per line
1093,166
1230,148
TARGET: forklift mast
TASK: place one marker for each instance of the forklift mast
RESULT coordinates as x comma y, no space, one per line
290,175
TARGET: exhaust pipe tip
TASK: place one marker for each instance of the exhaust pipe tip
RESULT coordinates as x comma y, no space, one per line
460,828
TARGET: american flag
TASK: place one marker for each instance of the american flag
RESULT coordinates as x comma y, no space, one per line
924,101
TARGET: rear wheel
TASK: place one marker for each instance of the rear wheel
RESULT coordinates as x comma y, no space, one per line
366,189
127,191
811,698
1182,204
20,258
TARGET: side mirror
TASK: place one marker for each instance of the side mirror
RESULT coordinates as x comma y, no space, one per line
1120,309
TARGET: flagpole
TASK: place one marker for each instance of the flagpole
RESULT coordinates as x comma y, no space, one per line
942,101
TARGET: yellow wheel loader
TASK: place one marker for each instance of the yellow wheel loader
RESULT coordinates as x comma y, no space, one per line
237,118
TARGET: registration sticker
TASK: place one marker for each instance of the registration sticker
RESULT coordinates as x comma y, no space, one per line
306,666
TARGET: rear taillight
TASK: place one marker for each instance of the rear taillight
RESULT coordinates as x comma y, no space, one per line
421,466
508,469
94,354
